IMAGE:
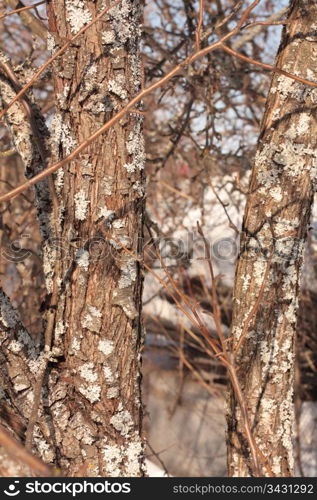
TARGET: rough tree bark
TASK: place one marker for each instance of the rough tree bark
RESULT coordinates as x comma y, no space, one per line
89,414
274,230
94,391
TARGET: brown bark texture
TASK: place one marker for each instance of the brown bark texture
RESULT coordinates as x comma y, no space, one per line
89,416
273,236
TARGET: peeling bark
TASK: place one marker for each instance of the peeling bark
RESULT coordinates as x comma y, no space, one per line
275,225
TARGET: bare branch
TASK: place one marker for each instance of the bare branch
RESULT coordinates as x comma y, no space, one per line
36,25
177,69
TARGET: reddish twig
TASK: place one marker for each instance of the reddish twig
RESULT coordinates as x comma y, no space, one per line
256,305
256,454
200,23
54,56
237,54
177,69
22,9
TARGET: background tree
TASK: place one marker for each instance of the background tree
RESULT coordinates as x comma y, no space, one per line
274,232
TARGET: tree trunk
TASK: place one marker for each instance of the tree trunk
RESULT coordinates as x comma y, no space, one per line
94,389
274,230
79,398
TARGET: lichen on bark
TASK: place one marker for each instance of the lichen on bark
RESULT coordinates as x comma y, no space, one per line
274,230
95,384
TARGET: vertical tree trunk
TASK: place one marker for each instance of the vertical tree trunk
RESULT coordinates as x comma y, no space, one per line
273,237
93,386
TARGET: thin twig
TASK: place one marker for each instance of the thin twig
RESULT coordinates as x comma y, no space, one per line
215,301
55,55
158,458
266,66
231,223
200,23
256,305
189,60
267,23
21,9
177,191
35,25
255,452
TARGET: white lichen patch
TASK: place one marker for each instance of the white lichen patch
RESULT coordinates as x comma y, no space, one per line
113,457
290,313
122,421
8,315
108,37
118,86
276,114
266,356
50,42
301,126
105,213
62,97
15,346
45,450
77,15
118,224
92,392
49,258
134,456
82,258
112,392
109,376
267,173
286,251
16,120
276,193
106,346
276,466
246,280
283,226
136,71
92,319
287,87
121,20
135,148
87,372
268,407
81,205
61,134
75,345
38,365
259,271
287,423
128,273
59,331
59,181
